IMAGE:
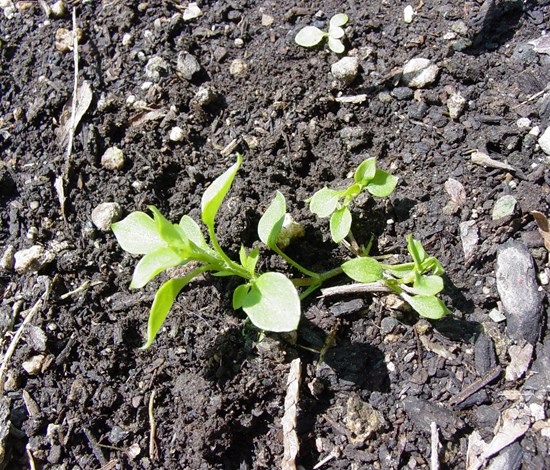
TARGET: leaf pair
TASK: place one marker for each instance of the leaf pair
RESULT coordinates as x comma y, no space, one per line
310,36
335,203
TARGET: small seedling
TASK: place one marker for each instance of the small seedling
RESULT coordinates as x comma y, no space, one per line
271,300
335,203
310,36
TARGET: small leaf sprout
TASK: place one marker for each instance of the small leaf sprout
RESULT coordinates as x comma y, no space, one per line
310,36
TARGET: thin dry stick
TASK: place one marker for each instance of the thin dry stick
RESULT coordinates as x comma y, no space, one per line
17,337
434,458
356,289
153,427
75,92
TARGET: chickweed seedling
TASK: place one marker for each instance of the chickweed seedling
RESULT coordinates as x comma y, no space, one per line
310,36
271,300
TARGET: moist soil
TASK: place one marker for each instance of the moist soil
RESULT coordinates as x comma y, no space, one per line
214,385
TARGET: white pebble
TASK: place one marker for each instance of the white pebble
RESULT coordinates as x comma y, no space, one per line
105,214
32,259
34,365
113,159
345,69
176,134
544,141
523,123
419,72
408,14
237,67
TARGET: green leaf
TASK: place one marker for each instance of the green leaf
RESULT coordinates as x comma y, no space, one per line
223,274
336,32
399,270
432,264
193,232
335,45
382,184
340,224
309,36
365,171
243,257
273,304
154,263
338,20
162,304
137,234
167,231
428,306
271,222
428,285
252,261
324,202
417,251
363,269
216,192
351,192
239,295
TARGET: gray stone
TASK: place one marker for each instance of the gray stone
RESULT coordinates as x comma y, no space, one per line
346,308
419,72
353,137
187,65
484,354
4,429
509,458
345,69
518,291
387,325
456,105
205,96
539,380
544,141
402,93
113,159
32,259
422,413
7,260
106,214
155,67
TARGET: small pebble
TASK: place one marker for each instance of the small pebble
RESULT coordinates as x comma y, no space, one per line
544,141
237,67
353,137
191,12
32,259
64,39
238,43
113,159
176,134
267,20
7,261
34,365
187,65
155,67
419,72
523,123
58,9
408,14
345,69
456,105
106,214
205,96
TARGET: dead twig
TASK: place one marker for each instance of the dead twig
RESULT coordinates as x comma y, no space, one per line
96,450
356,289
434,458
290,437
153,451
475,386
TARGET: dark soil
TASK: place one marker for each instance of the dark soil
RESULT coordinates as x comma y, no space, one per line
219,388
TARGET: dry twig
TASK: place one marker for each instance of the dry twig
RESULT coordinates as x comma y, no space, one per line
290,438
153,451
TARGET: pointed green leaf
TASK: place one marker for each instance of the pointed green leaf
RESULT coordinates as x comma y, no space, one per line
223,274
399,270
363,269
335,45
309,36
382,184
243,257
338,20
137,234
273,304
365,171
239,295
428,306
167,231
164,299
252,261
416,251
271,222
432,264
428,285
351,192
340,224
154,263
193,232
324,202
216,192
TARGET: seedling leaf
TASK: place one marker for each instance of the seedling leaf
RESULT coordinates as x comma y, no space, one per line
335,45
252,261
363,269
309,36
365,171
273,303
152,264
239,295
272,221
340,224
164,299
216,192
428,306
428,285
193,232
167,231
400,270
137,234
382,184
338,20
417,251
336,32
324,202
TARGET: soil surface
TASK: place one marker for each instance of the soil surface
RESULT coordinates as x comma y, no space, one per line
79,393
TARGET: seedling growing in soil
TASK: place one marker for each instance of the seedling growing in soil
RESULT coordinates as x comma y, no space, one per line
310,36
270,300
335,203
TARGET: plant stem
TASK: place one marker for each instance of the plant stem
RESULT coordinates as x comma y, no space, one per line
230,264
298,266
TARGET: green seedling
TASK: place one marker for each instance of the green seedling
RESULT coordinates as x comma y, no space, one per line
335,203
418,283
310,36
271,300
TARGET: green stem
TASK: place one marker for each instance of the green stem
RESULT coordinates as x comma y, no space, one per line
309,290
298,266
230,264
330,274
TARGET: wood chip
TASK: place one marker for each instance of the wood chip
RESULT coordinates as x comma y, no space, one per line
544,227
457,192
290,437
520,358
84,98
480,158
356,99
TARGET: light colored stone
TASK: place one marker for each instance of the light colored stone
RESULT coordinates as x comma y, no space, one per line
58,9
187,65
34,365
176,134
64,41
267,20
191,12
408,14
205,96
518,291
237,67
523,123
353,137
419,72
345,69
456,105
32,259
7,261
105,214
113,159
155,67
544,141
